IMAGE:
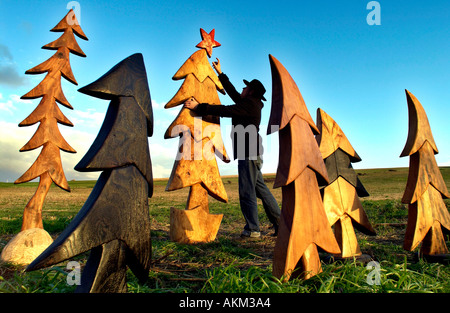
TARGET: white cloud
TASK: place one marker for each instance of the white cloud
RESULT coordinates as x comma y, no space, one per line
16,99
157,105
9,105
160,171
90,118
169,113
14,163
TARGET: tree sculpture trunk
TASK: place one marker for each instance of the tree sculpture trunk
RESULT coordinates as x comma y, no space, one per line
32,215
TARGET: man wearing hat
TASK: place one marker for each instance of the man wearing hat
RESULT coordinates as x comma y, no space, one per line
247,148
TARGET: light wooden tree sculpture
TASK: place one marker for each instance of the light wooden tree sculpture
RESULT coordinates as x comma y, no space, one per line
303,224
200,139
425,189
341,196
114,222
48,166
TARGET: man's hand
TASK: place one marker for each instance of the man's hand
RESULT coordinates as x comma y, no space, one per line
216,66
191,104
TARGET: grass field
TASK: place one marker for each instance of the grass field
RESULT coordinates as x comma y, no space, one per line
230,264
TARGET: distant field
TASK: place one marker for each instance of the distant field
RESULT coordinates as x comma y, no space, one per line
382,184
228,264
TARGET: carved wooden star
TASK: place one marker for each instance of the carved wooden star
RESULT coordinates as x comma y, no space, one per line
208,42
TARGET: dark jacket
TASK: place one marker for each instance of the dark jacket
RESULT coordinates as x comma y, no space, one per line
245,117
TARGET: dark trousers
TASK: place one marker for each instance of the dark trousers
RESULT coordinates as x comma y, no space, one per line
251,186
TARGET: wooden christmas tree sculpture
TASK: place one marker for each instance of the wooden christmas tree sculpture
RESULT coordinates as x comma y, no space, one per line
48,166
303,224
341,196
428,216
200,139
114,222
33,239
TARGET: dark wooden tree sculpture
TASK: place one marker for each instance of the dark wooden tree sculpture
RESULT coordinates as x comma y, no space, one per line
200,139
303,224
114,223
428,216
48,166
341,195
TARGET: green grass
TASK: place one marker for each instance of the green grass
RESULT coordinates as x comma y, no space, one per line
230,265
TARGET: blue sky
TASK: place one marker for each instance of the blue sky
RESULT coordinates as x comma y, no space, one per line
355,72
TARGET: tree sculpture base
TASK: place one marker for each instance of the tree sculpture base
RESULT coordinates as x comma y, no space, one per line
193,226
26,246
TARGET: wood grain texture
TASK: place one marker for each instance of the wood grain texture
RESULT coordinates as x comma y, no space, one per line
338,164
194,224
48,165
70,27
49,85
57,62
340,198
195,164
32,215
425,190
187,123
117,144
303,224
423,171
114,222
203,91
70,21
190,169
300,151
198,65
346,237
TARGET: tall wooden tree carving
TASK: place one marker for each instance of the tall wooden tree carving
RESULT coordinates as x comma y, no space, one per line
114,222
303,224
341,196
200,140
48,166
428,216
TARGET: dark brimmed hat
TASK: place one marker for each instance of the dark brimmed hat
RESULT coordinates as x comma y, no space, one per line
257,88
